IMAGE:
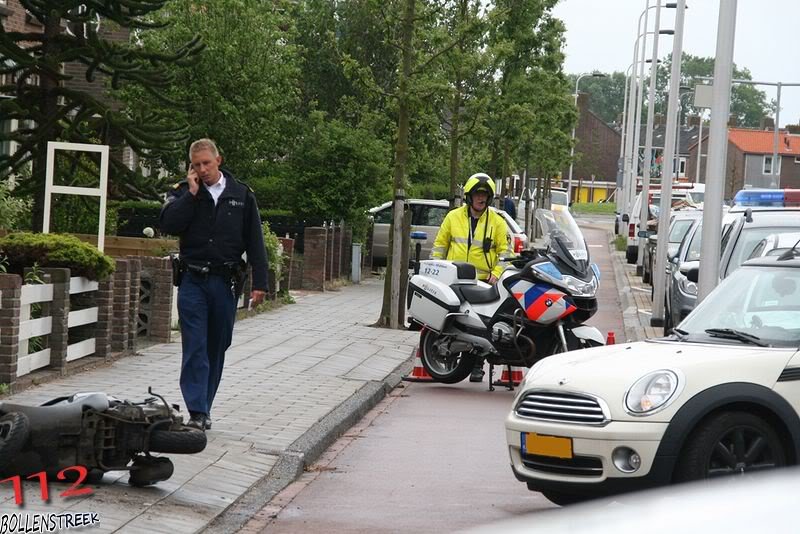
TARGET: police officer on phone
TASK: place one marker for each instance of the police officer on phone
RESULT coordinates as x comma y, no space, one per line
216,219
477,235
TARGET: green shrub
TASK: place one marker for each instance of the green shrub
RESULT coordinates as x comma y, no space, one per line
272,244
54,250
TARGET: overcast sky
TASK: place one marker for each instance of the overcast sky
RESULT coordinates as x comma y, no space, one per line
601,33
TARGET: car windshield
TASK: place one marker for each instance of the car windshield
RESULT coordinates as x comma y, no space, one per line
696,197
559,197
754,301
679,229
747,242
560,224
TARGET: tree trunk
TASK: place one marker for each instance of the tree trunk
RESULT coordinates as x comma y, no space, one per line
400,160
454,133
49,108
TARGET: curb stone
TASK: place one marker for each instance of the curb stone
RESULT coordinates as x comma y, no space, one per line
630,313
305,450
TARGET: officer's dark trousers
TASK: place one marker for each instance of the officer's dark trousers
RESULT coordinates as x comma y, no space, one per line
207,309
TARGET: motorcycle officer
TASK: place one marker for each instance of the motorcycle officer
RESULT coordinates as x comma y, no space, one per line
475,234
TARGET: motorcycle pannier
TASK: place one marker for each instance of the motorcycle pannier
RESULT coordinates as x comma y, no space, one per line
429,301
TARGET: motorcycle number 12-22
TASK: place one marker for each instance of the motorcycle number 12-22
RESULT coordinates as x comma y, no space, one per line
428,271
73,491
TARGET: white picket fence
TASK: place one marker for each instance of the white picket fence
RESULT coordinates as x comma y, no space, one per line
31,328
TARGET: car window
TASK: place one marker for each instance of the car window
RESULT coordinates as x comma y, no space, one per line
679,229
697,197
429,215
693,253
748,239
759,249
383,216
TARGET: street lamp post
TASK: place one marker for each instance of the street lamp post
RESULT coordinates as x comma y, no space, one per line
670,147
717,148
648,149
630,176
572,148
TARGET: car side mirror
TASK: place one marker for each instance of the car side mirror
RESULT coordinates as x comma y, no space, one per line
692,274
625,218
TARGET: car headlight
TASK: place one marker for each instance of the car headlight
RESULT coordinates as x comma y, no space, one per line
579,288
652,392
688,287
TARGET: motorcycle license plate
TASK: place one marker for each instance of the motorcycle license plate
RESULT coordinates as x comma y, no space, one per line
552,446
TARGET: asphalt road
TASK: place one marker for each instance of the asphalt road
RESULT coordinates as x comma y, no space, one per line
428,458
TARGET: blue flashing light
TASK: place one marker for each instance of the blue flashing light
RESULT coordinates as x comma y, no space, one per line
548,269
419,235
760,197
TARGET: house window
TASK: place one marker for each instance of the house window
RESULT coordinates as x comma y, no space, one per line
682,168
767,167
797,159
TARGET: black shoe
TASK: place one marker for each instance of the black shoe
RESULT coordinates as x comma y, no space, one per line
476,375
207,424
199,421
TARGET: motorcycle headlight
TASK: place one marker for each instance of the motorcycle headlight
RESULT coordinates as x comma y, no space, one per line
688,287
652,392
579,288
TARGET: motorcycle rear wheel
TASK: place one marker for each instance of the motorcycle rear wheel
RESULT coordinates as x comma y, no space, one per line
445,369
14,428
185,441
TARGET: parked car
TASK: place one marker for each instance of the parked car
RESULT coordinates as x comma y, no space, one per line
719,397
680,222
682,195
427,216
558,197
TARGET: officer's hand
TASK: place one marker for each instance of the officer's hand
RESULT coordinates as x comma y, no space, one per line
194,181
492,279
257,297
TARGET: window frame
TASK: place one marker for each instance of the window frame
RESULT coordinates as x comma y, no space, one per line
764,170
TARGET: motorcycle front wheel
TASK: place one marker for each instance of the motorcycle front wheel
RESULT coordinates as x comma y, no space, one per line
445,369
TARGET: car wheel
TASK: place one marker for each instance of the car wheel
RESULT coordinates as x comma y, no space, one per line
564,499
730,443
631,253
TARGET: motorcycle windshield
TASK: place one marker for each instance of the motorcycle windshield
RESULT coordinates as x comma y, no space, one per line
562,235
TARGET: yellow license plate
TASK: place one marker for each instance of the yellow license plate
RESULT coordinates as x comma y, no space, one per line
553,446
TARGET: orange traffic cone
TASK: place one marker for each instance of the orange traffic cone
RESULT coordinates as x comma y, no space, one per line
610,340
514,379
418,374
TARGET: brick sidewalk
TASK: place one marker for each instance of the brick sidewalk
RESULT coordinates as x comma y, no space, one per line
287,373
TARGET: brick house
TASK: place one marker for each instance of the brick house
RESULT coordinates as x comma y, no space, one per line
687,135
749,160
596,155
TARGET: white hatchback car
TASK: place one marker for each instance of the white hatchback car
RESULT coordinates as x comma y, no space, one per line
720,396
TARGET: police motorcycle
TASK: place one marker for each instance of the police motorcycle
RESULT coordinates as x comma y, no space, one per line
536,309
87,434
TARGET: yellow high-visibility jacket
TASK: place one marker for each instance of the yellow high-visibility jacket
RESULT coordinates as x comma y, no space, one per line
454,241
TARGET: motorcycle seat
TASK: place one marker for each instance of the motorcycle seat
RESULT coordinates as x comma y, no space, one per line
476,294
465,271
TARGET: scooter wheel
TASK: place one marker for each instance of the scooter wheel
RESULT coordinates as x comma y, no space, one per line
146,471
14,428
185,441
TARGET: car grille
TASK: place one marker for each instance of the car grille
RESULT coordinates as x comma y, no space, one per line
562,408
578,466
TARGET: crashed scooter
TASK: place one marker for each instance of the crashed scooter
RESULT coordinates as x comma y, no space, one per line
98,432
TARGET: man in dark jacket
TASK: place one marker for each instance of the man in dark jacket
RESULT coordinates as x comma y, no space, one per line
216,219
509,206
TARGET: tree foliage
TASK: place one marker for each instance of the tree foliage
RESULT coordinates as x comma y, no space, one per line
50,106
